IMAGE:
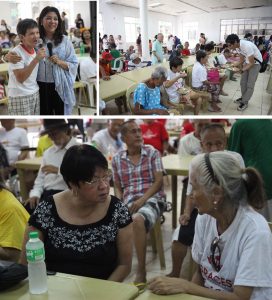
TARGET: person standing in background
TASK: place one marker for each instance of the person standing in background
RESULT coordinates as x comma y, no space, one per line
65,24
157,51
79,21
139,44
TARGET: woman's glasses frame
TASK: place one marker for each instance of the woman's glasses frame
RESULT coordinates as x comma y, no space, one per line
214,246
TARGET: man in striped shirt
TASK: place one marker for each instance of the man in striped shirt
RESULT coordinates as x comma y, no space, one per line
138,179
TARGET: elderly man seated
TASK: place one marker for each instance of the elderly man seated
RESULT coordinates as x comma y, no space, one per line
108,140
49,181
138,177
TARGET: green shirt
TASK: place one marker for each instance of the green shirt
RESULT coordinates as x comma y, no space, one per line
253,140
115,53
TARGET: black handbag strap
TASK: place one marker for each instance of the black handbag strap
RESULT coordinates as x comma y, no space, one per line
258,60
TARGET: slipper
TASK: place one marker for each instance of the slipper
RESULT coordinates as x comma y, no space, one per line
141,286
214,110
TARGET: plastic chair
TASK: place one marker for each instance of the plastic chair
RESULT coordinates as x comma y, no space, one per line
118,64
205,95
4,101
129,98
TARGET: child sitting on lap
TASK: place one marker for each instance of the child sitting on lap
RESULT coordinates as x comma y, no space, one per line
175,89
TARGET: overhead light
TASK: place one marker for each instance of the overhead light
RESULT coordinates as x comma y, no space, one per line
155,4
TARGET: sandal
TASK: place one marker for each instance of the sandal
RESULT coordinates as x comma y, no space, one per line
141,286
211,109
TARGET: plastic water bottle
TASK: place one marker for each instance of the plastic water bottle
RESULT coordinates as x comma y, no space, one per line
82,49
37,276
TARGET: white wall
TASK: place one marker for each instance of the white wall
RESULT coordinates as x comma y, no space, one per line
113,19
209,23
83,8
77,7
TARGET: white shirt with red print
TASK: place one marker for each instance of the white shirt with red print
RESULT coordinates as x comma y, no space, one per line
246,253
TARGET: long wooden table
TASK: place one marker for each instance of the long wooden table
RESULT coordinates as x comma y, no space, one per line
26,165
70,287
147,295
4,69
119,83
175,166
115,87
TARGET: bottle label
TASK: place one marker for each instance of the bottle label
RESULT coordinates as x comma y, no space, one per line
35,255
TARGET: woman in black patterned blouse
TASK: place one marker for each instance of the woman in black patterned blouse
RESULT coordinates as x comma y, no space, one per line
85,231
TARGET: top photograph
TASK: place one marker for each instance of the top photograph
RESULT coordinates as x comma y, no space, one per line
48,53
170,57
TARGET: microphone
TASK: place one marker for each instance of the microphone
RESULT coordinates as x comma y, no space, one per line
50,47
39,44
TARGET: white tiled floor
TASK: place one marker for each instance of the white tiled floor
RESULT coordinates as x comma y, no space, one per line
258,105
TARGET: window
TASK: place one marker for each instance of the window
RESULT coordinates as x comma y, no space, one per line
258,26
132,29
26,9
100,25
189,34
165,28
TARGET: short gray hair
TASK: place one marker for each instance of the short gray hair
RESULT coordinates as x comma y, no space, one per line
159,72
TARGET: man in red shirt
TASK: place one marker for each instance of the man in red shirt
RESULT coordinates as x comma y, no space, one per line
155,134
104,65
185,51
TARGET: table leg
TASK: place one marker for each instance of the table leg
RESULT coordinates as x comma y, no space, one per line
23,188
174,186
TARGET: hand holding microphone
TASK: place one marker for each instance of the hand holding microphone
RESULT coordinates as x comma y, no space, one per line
53,58
41,52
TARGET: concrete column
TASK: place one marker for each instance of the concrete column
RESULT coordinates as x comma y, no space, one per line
143,5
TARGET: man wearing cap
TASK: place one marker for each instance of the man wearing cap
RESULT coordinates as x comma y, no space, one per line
49,181
104,66
135,62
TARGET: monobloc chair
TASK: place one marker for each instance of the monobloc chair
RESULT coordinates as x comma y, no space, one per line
118,64
129,98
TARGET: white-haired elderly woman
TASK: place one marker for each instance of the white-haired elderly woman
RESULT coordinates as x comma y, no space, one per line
147,97
233,243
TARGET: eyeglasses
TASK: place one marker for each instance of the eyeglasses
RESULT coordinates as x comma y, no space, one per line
215,257
96,180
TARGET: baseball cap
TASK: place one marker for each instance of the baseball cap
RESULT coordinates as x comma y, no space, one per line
133,56
107,56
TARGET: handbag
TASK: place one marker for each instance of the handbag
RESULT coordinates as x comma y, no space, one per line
11,274
263,65
213,75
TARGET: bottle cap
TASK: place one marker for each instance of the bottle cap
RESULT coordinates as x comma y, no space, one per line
33,235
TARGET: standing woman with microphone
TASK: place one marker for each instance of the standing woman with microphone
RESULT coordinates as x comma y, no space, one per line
56,75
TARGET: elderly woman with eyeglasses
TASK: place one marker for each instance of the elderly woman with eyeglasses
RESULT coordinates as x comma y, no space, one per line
85,231
233,243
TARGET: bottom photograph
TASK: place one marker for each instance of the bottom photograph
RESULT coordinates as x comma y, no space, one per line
135,208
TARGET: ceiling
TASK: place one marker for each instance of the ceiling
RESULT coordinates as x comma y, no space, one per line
179,7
